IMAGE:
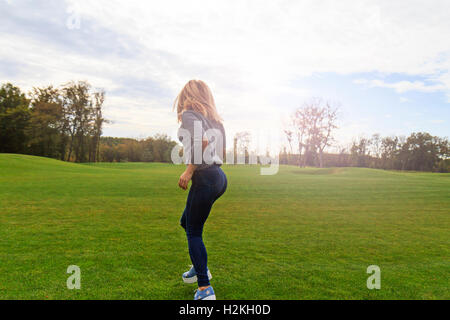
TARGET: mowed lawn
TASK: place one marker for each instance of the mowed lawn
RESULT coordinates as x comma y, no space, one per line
301,234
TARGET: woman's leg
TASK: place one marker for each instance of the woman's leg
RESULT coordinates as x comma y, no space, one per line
198,207
186,209
199,210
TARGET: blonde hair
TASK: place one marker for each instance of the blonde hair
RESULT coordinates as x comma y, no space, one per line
197,96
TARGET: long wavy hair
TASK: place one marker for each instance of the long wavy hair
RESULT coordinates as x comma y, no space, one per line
197,96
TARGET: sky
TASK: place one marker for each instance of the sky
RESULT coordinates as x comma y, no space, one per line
385,63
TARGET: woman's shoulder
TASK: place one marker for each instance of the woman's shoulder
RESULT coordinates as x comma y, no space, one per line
190,115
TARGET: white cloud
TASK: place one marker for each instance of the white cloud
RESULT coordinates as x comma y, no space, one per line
289,38
404,86
250,51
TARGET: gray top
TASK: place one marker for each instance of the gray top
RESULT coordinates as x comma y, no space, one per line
194,129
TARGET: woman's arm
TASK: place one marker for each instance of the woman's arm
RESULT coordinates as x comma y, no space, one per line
186,176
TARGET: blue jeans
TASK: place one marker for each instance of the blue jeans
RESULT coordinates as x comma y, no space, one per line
207,186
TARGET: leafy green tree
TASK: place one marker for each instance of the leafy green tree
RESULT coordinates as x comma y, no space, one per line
15,117
420,152
47,134
83,112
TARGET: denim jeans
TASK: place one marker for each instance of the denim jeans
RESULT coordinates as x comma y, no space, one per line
207,186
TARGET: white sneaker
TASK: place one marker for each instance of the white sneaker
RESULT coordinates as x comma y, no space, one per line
191,275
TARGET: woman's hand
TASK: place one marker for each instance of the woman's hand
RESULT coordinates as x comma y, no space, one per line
186,177
205,143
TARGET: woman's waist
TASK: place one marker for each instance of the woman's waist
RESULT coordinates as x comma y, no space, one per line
208,174
204,166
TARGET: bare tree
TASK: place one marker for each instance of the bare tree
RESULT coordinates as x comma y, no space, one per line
314,124
241,144
290,136
300,122
327,124
98,121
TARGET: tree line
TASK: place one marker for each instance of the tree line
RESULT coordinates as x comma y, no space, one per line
418,152
66,123
63,123
152,149
309,132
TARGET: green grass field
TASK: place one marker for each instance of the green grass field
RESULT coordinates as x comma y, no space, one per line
301,234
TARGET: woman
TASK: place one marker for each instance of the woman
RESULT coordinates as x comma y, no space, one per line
202,133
